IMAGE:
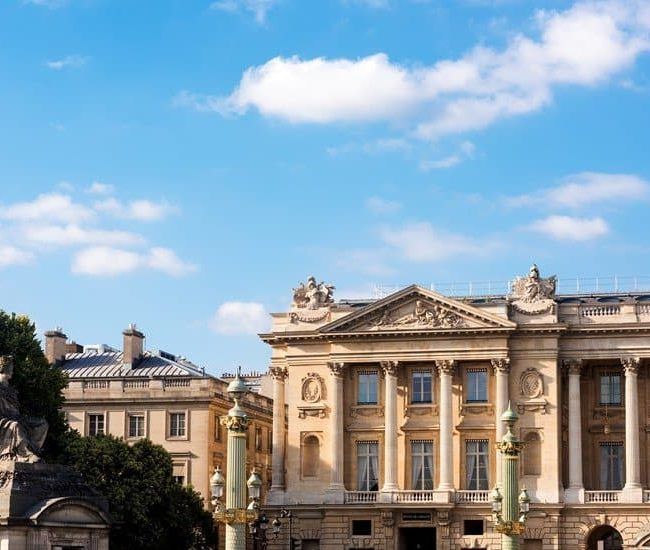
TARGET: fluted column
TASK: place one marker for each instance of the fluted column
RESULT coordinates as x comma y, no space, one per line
501,371
632,491
390,426
336,489
575,491
445,372
279,375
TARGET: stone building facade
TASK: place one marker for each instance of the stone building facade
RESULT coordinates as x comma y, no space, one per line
136,394
393,408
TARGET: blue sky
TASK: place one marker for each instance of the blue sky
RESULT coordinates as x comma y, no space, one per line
183,164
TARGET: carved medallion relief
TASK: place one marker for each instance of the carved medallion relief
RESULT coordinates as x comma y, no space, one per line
531,389
312,393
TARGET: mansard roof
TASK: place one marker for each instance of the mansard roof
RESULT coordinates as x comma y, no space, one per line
110,364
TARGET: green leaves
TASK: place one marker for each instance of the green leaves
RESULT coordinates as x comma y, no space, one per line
151,511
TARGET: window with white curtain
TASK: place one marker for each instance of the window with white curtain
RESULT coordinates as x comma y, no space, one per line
476,391
612,473
421,386
368,384
422,465
367,466
476,464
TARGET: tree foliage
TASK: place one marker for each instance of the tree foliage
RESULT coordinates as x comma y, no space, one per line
39,384
151,510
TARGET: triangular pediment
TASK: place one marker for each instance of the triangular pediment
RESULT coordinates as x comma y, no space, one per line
417,309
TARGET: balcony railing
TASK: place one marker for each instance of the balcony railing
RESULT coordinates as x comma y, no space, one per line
603,496
360,497
471,497
419,496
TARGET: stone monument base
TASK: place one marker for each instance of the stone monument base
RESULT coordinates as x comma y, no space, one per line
49,507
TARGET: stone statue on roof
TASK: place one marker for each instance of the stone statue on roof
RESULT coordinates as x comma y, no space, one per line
313,295
21,437
533,294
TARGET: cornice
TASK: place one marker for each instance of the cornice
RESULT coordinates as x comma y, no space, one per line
610,328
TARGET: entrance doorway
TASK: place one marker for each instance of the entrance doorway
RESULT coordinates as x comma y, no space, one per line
605,537
417,538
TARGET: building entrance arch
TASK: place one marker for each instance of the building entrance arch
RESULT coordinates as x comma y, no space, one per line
605,537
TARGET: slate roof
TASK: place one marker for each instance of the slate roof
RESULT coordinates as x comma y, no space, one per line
110,365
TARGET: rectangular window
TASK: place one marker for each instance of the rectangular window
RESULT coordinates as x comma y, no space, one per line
476,464
368,383
610,388
177,424
136,425
258,439
217,429
422,465
612,473
367,466
179,479
476,391
96,424
270,441
361,528
421,387
473,527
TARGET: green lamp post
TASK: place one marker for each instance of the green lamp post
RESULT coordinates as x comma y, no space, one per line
509,511
234,513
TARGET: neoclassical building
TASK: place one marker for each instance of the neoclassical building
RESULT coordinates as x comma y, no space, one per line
136,393
393,408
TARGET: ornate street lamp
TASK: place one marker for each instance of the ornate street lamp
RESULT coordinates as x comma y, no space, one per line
234,514
509,512
277,524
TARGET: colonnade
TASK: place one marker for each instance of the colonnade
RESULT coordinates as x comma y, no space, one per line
632,491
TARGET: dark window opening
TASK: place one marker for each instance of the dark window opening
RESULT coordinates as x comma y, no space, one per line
361,528
473,527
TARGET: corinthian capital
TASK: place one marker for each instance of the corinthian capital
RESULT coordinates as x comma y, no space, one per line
501,365
279,373
445,366
573,366
389,367
337,369
630,364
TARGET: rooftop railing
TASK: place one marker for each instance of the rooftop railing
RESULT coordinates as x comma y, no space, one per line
565,287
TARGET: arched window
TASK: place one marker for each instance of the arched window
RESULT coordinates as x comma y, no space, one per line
310,456
532,455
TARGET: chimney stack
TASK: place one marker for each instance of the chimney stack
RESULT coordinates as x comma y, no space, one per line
133,346
55,347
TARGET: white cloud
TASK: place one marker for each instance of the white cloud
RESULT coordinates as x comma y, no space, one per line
50,207
104,261
420,242
374,4
72,234
99,188
52,4
465,150
67,62
140,210
10,255
377,205
376,147
240,318
257,8
566,228
166,260
584,45
587,188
